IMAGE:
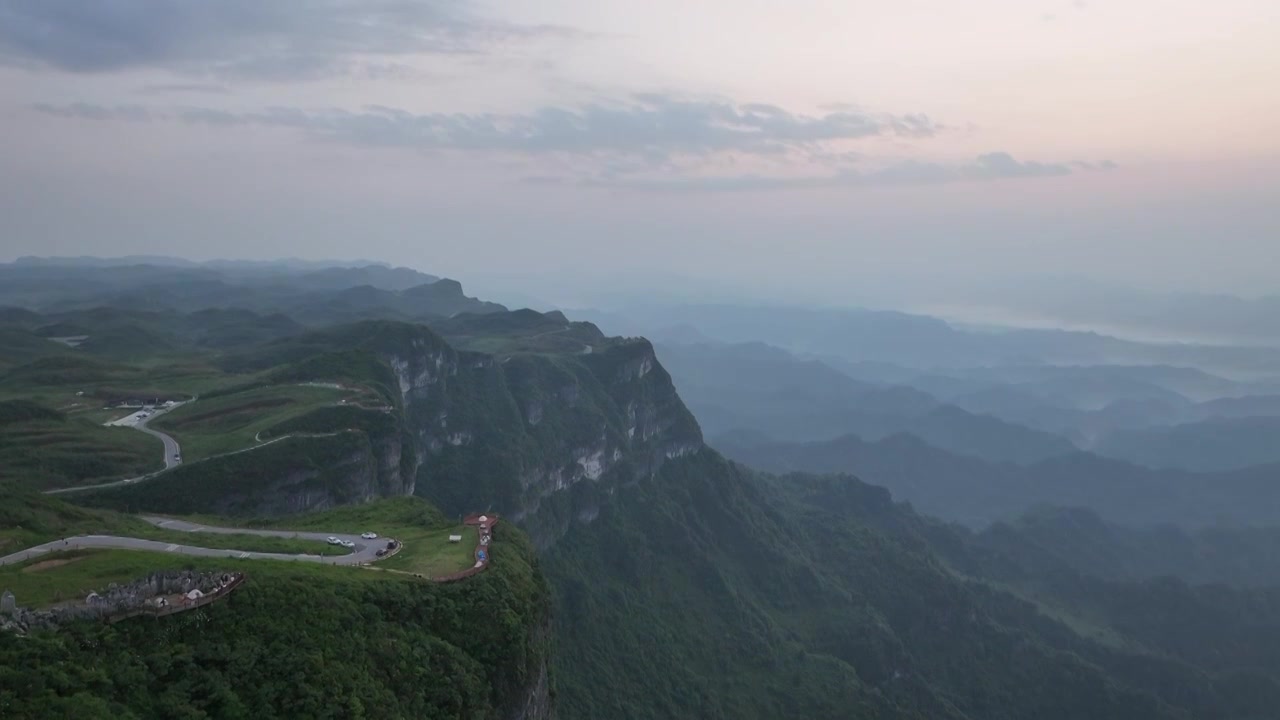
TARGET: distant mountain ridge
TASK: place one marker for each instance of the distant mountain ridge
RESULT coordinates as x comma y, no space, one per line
1078,538
1211,445
311,295
170,261
977,492
1219,317
1021,414
763,389
926,343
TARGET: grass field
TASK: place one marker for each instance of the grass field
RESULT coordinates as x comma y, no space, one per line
231,422
46,454
430,554
78,450
29,519
33,519
423,531
243,541
40,583
56,382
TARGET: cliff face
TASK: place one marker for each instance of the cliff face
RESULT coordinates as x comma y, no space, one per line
539,438
534,700
367,468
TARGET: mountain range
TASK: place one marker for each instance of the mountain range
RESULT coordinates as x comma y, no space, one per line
941,564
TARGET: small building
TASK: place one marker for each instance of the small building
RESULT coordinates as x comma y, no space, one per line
455,538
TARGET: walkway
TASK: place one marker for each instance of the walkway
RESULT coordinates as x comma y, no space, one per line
484,533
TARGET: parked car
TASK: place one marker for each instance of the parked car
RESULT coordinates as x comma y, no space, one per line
369,535
333,540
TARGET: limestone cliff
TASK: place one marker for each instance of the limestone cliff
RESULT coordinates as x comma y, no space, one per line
539,436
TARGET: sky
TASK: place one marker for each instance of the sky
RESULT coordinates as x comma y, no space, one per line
817,151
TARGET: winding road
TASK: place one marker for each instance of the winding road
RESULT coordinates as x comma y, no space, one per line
175,463
365,551
172,453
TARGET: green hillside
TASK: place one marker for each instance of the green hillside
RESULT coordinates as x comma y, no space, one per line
715,593
299,640
41,447
230,422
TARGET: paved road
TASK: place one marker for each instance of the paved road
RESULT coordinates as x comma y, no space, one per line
172,453
364,551
129,481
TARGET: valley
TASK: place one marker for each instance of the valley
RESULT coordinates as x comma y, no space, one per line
874,541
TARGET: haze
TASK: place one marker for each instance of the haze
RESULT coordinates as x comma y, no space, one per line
855,152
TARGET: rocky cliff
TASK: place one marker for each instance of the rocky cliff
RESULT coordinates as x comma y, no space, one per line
540,437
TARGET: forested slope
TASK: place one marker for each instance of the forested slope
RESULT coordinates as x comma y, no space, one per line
306,642
714,592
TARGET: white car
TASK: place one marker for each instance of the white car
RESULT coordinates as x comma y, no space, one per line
346,543
369,535
333,540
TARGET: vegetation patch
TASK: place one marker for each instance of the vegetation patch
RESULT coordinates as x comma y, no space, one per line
431,554
369,644
421,529
71,450
243,541
22,411
47,564
233,422
255,483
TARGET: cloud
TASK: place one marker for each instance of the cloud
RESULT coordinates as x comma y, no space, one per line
652,127
1003,165
180,88
1103,165
650,142
990,166
260,39
88,111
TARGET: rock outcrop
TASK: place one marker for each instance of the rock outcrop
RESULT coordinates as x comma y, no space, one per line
540,437
119,601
